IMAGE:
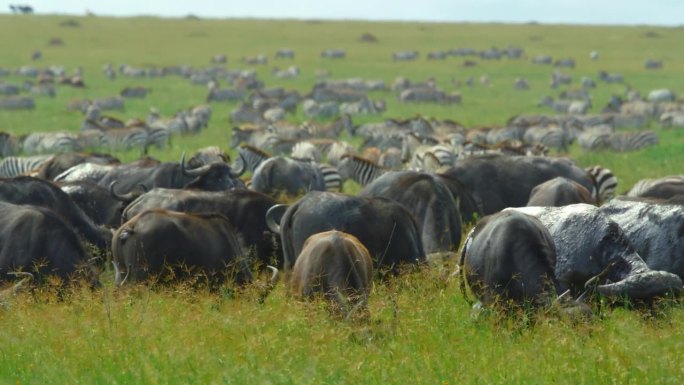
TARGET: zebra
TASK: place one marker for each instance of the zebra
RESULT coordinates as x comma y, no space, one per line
252,156
306,151
606,182
331,177
551,136
593,141
50,143
641,186
440,156
125,139
19,165
157,136
633,141
360,170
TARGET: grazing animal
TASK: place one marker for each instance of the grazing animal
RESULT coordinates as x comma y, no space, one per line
37,238
500,181
293,177
606,182
246,210
429,200
385,227
588,243
336,265
510,256
156,240
655,230
559,191
24,190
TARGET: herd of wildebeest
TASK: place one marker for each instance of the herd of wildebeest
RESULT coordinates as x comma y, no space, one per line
543,226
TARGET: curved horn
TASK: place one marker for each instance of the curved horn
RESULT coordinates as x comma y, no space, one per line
236,173
270,221
274,277
27,278
195,172
122,197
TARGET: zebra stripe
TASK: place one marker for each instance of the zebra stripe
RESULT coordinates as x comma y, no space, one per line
606,182
252,156
641,186
50,143
158,137
17,165
331,177
633,141
124,139
361,170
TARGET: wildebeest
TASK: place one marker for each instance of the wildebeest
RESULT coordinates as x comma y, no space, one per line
510,256
293,177
430,201
655,230
98,203
38,192
559,191
588,243
36,238
385,227
156,240
334,264
211,177
246,210
500,181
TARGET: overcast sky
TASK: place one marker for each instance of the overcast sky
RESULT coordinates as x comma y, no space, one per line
656,12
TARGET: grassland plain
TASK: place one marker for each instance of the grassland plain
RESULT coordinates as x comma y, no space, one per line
420,329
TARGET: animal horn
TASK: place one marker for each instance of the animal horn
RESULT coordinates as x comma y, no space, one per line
27,277
123,197
274,277
236,173
270,221
193,172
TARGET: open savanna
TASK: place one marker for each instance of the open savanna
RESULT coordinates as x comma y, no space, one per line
420,329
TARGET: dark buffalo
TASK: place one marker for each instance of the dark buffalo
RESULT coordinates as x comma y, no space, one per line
155,240
38,192
510,256
98,203
36,239
655,230
336,265
278,175
588,243
245,209
385,227
559,191
501,181
211,177
429,200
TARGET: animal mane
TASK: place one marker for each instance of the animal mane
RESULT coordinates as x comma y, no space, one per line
257,150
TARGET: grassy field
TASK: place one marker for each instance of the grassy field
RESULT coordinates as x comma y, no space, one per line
420,329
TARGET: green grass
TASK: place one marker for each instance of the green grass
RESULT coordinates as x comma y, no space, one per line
177,336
